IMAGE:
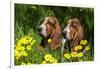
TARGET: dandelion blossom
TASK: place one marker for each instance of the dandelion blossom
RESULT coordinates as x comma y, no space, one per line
80,54
80,60
23,53
32,43
76,48
22,63
29,63
44,62
49,40
87,48
83,42
48,57
29,47
55,61
79,47
73,54
67,56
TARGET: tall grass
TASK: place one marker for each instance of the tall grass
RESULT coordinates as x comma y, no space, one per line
29,17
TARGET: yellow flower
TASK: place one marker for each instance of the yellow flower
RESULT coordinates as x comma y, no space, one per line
76,48
17,57
24,53
73,54
17,54
18,43
48,57
55,61
67,56
49,40
80,60
87,48
20,48
51,60
83,42
25,40
79,47
29,63
44,62
22,63
29,48
32,43
80,54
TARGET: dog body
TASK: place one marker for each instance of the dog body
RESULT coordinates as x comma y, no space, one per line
73,32
50,29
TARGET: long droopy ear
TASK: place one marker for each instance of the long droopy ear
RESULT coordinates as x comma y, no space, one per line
56,38
78,35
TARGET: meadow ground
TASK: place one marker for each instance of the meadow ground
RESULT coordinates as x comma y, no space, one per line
27,40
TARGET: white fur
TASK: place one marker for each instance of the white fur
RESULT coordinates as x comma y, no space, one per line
63,41
67,30
44,30
62,49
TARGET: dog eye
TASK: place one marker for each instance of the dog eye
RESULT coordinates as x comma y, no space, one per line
50,23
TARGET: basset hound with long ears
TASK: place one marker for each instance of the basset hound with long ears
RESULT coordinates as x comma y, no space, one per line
50,29
73,33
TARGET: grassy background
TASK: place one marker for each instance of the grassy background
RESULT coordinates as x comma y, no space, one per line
28,18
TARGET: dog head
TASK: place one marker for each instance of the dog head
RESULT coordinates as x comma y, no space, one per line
73,29
50,29
48,26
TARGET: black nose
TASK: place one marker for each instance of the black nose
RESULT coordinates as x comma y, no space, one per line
39,29
64,34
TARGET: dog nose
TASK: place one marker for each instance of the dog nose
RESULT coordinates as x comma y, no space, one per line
39,29
64,33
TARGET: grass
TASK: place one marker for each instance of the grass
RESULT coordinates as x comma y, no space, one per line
36,57
28,18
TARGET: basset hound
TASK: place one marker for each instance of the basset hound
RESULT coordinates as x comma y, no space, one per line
50,29
73,33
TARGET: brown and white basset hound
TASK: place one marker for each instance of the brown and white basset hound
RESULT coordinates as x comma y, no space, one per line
50,29
73,32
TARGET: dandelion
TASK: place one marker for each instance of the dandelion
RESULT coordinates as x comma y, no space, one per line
48,57
29,63
22,63
49,40
76,48
32,43
17,54
67,56
19,48
23,44
51,60
80,60
87,48
80,54
83,42
79,47
55,61
17,57
23,53
73,54
44,62
29,47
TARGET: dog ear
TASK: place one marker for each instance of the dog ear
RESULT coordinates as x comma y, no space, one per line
56,38
78,35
